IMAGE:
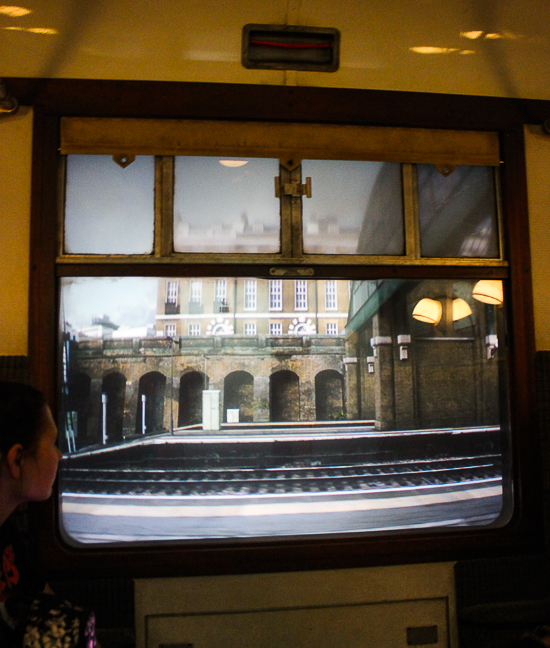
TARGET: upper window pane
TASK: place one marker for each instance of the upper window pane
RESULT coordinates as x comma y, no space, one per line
108,209
458,215
356,208
226,205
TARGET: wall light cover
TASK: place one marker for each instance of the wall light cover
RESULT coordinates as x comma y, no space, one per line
461,309
489,291
428,310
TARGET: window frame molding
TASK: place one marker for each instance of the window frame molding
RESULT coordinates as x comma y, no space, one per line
52,99
406,146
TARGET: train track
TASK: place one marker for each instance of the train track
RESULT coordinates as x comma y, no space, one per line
137,480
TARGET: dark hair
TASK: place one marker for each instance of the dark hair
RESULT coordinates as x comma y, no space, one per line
21,415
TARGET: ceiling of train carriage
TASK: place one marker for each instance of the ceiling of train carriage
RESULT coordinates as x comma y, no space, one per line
483,47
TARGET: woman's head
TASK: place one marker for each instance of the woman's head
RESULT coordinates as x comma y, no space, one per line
28,449
21,415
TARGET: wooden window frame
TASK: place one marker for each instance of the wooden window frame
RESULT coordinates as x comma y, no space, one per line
54,99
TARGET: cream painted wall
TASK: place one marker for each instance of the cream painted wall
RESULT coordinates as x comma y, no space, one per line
15,200
494,47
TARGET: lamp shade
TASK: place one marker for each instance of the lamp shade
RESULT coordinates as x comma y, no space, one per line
461,309
428,310
489,291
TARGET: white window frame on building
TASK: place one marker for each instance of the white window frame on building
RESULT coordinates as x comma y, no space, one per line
331,295
275,328
195,291
275,294
170,330
332,328
220,294
194,329
250,328
250,294
300,295
172,292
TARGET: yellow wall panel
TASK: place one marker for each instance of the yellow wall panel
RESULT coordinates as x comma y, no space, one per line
15,201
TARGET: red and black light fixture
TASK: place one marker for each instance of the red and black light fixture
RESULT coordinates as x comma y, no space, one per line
285,47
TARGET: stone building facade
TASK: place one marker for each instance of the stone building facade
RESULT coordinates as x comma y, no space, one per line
274,349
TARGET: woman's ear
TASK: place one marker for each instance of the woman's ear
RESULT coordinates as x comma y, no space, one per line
13,460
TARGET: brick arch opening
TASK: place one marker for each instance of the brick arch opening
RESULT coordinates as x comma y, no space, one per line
192,384
284,396
238,393
152,385
329,395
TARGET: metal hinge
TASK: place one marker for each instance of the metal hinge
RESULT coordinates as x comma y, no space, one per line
292,188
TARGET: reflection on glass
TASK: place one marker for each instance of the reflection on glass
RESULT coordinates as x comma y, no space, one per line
356,208
458,216
226,205
200,419
108,209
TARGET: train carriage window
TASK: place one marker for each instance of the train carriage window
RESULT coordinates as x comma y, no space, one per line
313,344
417,442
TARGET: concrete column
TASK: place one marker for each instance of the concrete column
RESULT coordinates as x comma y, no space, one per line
384,388
351,379
366,379
403,381
130,407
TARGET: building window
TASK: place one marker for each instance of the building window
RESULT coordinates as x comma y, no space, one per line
221,291
195,291
331,302
171,306
172,288
276,328
169,330
250,328
194,329
332,328
250,294
275,294
300,294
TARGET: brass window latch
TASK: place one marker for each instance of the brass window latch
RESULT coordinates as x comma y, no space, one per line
292,188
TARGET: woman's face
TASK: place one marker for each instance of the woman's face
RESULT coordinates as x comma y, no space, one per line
39,464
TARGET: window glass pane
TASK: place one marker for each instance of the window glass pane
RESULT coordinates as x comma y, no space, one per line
356,208
458,215
250,328
250,294
331,295
228,429
226,205
275,294
108,209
